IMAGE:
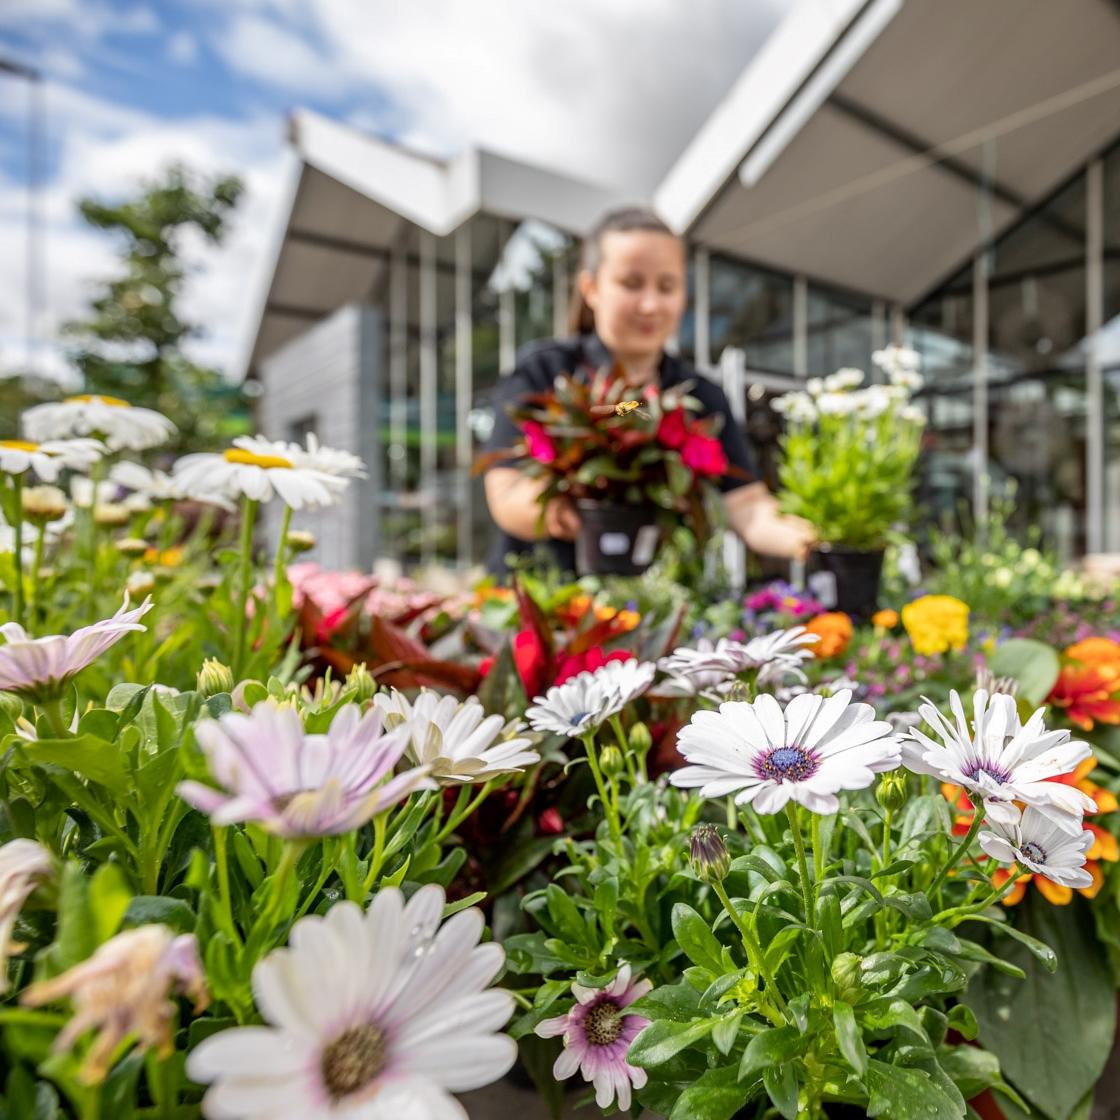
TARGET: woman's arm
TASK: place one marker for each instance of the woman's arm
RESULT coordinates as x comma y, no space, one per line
514,502
752,512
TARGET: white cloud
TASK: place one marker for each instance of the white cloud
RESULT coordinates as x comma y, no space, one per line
182,48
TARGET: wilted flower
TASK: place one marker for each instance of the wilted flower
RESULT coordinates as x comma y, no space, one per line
597,1036
125,989
299,785
23,865
116,421
39,668
381,1016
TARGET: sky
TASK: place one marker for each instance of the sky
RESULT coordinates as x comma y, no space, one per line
132,86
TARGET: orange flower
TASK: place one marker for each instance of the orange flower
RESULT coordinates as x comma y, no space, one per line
885,619
1101,653
485,594
834,628
1086,693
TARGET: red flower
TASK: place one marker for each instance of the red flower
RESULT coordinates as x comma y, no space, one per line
1087,694
550,823
539,442
672,431
529,657
485,665
704,454
330,622
588,661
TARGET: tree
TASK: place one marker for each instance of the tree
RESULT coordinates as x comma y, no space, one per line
131,343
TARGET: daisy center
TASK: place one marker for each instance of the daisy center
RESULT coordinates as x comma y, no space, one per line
353,1060
252,459
787,764
90,398
603,1024
18,445
1034,852
989,769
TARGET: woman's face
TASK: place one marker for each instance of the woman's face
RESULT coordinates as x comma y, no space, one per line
638,293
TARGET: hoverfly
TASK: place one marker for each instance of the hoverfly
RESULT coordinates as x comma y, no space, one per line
623,408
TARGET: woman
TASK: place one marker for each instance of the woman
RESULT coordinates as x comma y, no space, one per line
631,294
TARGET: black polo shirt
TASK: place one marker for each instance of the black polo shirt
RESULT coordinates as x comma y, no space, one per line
537,367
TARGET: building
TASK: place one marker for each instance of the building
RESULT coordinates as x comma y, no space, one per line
942,172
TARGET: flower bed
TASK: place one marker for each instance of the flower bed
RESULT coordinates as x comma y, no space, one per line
276,842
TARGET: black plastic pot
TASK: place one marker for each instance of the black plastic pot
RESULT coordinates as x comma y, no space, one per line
616,539
846,579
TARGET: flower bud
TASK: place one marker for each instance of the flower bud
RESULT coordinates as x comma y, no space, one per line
299,540
892,791
740,691
139,583
214,677
847,973
110,515
360,684
131,546
11,704
640,739
709,855
42,504
611,761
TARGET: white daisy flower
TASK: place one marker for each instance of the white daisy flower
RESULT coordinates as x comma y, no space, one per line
23,865
837,404
116,421
707,668
897,359
329,460
766,757
1041,846
846,378
256,468
49,458
814,386
1000,760
458,741
587,700
145,486
375,1016
39,668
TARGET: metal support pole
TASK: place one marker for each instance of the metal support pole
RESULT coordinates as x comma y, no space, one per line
801,327
981,480
429,416
507,320
1094,376
701,307
560,294
398,371
464,378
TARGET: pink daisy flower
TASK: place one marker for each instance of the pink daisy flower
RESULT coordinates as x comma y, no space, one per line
597,1036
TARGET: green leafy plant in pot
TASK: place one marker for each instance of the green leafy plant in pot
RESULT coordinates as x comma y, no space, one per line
848,457
634,468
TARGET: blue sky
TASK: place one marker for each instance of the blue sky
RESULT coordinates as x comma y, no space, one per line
133,85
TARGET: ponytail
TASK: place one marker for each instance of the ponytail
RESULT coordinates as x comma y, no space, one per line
581,319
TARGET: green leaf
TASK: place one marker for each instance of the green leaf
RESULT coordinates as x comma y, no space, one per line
726,1031
1070,1014
848,1036
715,1095
87,755
770,1048
962,1020
1041,951
895,1092
678,1002
1034,664
696,940
109,897
781,1085
146,909
664,1038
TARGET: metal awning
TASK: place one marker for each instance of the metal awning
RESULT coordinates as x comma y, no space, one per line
354,197
874,145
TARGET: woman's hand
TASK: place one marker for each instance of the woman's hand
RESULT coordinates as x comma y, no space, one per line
753,513
561,521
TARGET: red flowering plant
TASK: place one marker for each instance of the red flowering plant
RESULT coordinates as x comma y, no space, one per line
587,437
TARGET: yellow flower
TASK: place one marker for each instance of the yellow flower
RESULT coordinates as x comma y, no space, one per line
885,619
936,623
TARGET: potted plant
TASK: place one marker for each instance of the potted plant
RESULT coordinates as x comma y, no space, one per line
848,457
633,468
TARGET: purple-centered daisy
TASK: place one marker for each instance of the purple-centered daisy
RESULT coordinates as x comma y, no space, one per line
597,1036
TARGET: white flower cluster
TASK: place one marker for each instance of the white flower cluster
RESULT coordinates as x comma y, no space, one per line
840,393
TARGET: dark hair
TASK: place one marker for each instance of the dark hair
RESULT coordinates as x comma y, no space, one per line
630,219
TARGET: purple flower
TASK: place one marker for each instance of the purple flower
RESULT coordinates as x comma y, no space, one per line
597,1035
300,785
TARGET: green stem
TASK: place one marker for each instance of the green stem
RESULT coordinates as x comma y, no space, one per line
52,709
91,1103
820,856
36,566
462,811
608,805
957,914
281,558
624,747
17,527
289,857
887,819
380,827
244,574
807,890
755,955
221,861
732,815
958,855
